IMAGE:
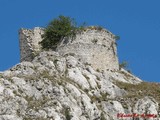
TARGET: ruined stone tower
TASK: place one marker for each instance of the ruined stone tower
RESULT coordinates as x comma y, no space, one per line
28,40
92,46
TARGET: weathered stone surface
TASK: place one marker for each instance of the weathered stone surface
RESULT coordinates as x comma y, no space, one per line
28,40
146,106
95,47
40,90
78,82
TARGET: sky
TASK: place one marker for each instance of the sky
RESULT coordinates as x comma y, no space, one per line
137,22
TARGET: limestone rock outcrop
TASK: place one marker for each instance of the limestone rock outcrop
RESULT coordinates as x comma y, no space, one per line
57,86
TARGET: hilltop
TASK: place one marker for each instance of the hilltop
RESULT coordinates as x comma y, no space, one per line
79,80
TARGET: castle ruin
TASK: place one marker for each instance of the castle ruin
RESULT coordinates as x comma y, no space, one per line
91,46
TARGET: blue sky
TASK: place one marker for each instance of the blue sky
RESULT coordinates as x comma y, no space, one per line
137,22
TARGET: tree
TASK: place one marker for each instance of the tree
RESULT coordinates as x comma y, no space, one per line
56,30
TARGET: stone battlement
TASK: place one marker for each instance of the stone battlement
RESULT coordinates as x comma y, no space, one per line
91,46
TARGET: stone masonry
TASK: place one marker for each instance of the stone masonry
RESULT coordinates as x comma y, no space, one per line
28,40
92,46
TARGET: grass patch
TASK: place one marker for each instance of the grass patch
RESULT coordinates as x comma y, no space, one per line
141,90
99,99
102,116
36,104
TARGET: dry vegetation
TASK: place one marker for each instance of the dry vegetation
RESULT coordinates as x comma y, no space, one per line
141,90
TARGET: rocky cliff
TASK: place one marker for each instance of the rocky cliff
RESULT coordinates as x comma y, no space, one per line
54,86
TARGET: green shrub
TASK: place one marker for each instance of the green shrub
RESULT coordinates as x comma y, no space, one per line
67,114
124,65
56,30
116,37
102,117
99,28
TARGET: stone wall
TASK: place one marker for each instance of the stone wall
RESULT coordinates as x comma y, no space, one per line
28,40
92,46
95,47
